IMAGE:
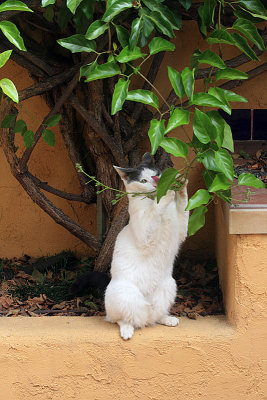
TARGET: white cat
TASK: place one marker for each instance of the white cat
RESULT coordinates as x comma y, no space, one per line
142,289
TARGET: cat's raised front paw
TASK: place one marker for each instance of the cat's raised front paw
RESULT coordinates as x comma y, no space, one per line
126,330
168,320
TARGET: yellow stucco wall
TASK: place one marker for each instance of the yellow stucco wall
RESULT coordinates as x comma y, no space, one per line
25,228
212,358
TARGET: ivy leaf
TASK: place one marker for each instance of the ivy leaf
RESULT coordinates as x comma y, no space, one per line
96,29
119,95
156,134
49,14
208,176
209,162
14,5
63,17
205,99
220,182
158,44
9,89
116,8
143,96
242,44
49,137
54,120
122,35
230,73
188,81
167,178
248,179
255,6
20,126
211,58
221,36
174,146
4,57
12,33
250,31
202,127
135,32
86,70
186,4
220,95
179,117
28,139
127,55
46,3
146,31
163,25
78,43
228,142
102,71
176,82
73,4
201,197
208,12
231,96
196,220
8,121
225,163
219,124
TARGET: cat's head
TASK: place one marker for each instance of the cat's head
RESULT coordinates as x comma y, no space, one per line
143,178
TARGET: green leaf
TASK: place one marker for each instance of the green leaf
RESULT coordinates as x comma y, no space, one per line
167,178
96,29
250,31
9,89
211,58
63,17
86,70
158,44
46,3
257,16
221,36
208,160
143,96
225,163
242,13
201,24
146,31
242,44
73,4
28,139
208,12
135,32
220,95
122,35
49,13
176,82
4,57
11,32
247,179
163,25
228,142
20,126
188,81
255,6
220,182
230,73
231,96
156,134
49,137
8,121
174,146
202,196
178,117
208,176
116,8
77,44
202,127
119,95
196,220
219,125
102,71
205,99
127,55
186,4
14,5
54,120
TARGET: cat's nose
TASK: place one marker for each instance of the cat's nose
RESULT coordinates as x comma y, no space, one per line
156,180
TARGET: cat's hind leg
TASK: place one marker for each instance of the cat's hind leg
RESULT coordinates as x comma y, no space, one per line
126,306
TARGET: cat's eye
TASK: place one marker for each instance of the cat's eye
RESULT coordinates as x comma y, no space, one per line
143,181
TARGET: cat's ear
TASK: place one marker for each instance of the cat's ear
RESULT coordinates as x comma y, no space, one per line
147,159
123,172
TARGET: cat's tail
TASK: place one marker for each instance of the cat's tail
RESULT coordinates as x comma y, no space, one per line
91,279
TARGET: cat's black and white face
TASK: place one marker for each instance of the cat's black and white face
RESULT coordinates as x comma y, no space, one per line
143,178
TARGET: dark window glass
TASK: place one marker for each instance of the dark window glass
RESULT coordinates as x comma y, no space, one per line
240,123
260,125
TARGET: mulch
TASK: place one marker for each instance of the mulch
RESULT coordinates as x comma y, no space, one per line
40,287
255,164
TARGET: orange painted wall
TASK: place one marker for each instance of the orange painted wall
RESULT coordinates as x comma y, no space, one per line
24,228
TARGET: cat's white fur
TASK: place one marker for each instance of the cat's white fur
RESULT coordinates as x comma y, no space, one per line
142,289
